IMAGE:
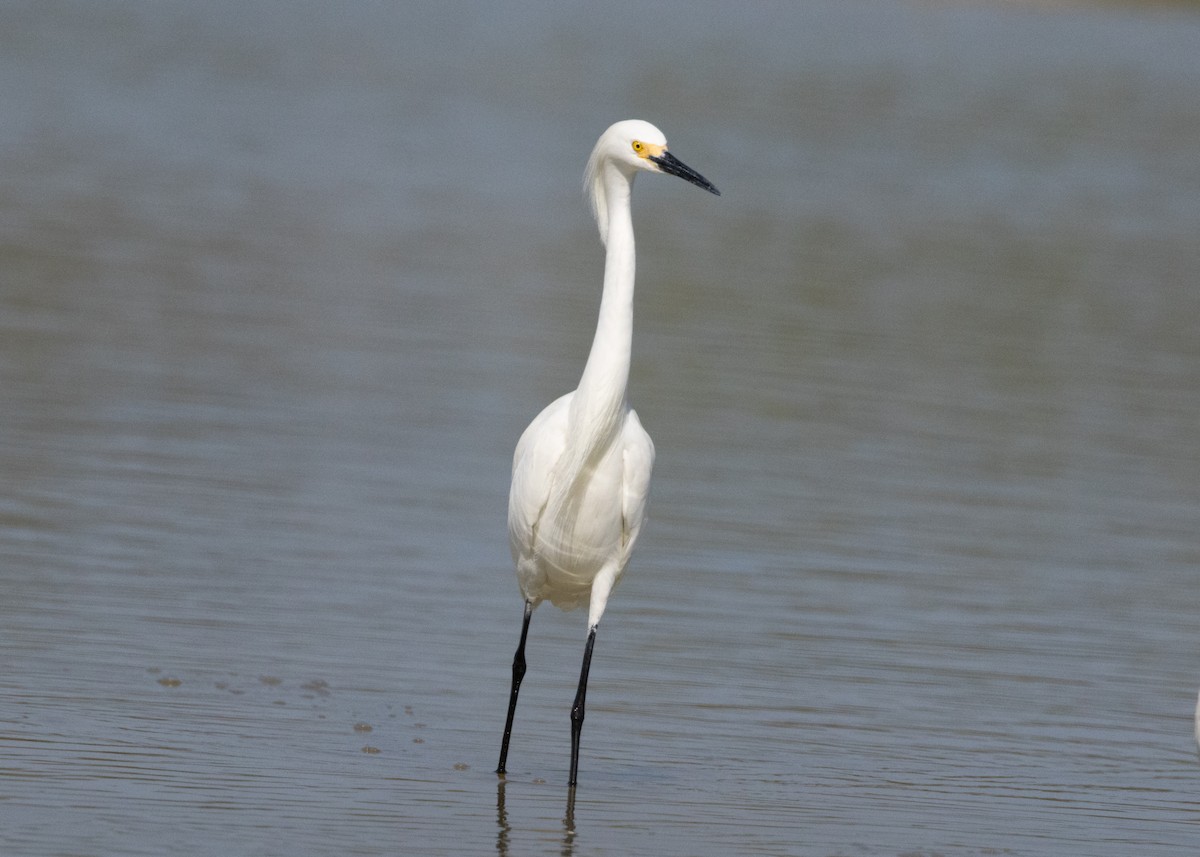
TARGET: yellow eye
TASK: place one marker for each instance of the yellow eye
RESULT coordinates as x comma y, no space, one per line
637,146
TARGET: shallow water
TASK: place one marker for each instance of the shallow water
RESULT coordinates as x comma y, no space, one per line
282,285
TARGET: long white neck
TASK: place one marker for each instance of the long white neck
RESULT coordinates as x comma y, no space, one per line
599,405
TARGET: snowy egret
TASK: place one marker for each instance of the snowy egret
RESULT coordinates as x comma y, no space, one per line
581,470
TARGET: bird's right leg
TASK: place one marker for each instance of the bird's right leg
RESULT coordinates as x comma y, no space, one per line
518,673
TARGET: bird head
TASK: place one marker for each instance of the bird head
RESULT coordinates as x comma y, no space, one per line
634,145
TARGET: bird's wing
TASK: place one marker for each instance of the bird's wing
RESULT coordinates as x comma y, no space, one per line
638,463
539,449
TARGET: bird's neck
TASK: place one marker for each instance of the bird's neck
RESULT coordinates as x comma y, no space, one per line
600,401
598,408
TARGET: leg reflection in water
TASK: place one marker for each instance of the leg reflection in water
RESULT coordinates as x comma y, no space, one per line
569,824
502,822
504,829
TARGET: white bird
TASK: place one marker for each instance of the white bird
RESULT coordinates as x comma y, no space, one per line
581,470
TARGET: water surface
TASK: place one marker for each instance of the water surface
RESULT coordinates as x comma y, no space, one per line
281,286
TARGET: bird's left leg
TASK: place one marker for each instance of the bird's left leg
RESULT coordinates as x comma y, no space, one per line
518,673
577,708
601,588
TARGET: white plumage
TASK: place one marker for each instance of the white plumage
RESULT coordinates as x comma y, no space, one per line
571,546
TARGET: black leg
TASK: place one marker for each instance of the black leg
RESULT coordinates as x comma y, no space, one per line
518,674
577,708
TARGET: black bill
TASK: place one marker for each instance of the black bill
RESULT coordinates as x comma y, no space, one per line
671,165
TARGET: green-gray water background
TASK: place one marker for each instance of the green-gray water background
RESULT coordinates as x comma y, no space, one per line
281,284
